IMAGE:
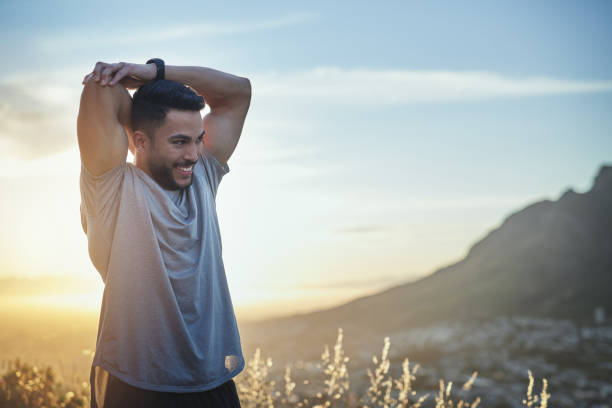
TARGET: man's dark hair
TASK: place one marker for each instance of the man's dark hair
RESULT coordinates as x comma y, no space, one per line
151,103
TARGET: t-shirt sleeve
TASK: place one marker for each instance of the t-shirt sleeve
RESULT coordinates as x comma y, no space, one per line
100,194
213,170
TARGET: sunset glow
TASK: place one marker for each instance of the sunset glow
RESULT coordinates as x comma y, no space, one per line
373,153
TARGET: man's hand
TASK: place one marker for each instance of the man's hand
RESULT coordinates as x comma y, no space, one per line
131,76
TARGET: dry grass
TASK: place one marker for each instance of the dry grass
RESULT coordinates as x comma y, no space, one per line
383,391
24,386
533,399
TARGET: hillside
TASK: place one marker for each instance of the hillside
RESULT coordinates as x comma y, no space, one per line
549,259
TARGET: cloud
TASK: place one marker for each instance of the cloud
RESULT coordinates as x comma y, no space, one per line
376,87
362,229
349,283
145,35
37,116
38,110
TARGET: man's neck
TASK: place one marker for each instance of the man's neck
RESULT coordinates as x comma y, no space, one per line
141,164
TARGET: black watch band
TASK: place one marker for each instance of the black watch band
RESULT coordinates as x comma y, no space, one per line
161,70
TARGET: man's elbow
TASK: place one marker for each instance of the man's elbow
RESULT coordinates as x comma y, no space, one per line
246,88
236,99
242,96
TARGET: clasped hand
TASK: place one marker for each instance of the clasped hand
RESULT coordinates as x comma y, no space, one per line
131,76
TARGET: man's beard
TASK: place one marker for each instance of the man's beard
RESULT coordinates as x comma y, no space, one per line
165,177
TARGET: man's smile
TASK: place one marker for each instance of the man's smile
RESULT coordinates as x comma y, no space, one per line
185,170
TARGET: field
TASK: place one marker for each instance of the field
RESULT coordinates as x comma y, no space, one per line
46,356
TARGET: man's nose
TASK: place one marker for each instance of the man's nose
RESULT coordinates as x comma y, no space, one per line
191,153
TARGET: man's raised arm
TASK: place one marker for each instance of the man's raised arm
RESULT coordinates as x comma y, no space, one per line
228,96
104,116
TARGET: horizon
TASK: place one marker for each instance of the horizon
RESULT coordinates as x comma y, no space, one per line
30,293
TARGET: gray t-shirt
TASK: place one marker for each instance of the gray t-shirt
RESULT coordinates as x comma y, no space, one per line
167,322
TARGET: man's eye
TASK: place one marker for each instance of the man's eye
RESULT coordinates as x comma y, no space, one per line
179,142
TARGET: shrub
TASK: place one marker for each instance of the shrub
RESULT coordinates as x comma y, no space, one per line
26,386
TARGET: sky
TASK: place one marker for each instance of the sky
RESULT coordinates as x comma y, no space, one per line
382,140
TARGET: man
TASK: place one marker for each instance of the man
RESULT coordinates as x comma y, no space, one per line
167,334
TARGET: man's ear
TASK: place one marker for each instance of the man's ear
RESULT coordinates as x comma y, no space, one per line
140,139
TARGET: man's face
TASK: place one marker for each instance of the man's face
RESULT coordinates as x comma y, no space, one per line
175,148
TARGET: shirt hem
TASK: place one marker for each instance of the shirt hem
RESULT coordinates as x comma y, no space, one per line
171,388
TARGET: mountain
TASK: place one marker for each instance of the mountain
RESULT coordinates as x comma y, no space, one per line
549,259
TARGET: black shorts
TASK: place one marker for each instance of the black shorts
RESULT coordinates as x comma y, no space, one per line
122,395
